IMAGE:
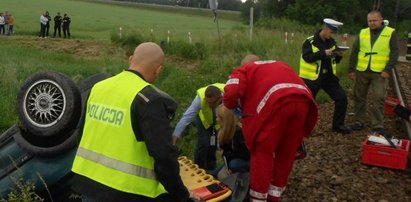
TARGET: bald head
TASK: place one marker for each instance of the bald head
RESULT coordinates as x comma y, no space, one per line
249,58
148,59
375,20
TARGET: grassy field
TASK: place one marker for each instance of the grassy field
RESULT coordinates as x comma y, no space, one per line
208,59
96,20
96,47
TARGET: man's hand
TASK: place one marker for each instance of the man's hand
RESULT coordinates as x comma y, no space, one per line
328,52
385,75
337,53
352,75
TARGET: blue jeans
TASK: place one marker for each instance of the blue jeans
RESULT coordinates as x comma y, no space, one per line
235,165
239,165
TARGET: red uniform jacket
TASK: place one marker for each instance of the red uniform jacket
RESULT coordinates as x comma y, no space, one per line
259,88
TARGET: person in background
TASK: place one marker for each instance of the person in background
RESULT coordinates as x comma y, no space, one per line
278,111
235,155
11,24
202,108
57,24
374,54
43,23
47,24
2,24
126,151
318,69
66,25
6,22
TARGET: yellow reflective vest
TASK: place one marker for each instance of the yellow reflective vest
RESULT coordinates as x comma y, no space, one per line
205,113
312,70
109,152
376,55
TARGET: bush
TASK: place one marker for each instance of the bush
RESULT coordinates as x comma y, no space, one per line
185,49
127,41
25,192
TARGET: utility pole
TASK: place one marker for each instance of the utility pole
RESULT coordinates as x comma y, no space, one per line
397,9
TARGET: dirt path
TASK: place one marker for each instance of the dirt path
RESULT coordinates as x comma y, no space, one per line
333,171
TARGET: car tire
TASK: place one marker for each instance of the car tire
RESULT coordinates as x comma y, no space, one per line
89,82
48,104
51,146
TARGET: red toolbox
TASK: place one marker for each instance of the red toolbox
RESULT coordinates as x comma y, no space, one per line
386,156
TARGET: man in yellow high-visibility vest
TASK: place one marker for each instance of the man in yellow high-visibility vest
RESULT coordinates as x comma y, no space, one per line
374,54
126,151
202,109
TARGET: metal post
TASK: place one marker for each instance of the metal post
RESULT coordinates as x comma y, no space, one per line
251,22
398,93
168,36
120,33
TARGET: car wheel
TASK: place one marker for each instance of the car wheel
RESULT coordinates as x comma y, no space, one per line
48,104
50,146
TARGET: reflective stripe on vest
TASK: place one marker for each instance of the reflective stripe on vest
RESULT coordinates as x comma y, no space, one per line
275,88
109,152
376,55
205,113
312,70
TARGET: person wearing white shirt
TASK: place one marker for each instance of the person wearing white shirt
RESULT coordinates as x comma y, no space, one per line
2,22
43,23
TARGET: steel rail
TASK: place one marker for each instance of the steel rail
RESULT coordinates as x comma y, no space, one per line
400,98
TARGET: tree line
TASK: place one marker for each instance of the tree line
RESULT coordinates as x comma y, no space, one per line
310,12
352,12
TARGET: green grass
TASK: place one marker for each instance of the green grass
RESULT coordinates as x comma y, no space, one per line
96,20
208,59
19,62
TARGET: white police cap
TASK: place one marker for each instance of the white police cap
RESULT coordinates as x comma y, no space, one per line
332,24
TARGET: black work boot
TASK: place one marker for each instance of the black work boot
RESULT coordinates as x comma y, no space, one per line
357,126
342,129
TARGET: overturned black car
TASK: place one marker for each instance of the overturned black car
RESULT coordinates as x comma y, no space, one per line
40,149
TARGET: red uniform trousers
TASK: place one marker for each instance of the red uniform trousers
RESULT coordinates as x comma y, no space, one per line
275,148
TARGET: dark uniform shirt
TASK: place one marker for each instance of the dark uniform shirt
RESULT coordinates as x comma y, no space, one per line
66,21
310,57
394,51
151,113
58,20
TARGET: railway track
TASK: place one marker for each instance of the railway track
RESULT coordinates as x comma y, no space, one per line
401,85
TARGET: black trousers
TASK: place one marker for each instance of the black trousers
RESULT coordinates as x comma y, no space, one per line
42,30
57,28
331,85
47,29
66,31
205,152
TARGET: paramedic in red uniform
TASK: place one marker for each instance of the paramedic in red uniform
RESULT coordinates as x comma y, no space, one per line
278,111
